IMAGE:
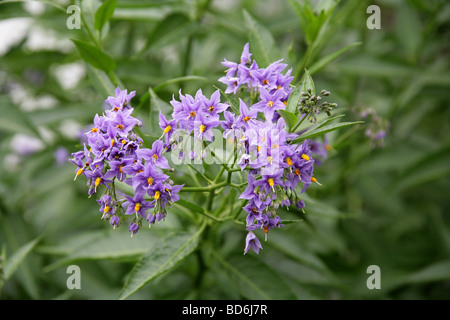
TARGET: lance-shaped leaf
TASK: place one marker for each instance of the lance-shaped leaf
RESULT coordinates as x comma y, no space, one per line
162,257
262,43
104,13
95,56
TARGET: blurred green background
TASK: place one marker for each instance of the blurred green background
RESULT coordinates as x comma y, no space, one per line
384,202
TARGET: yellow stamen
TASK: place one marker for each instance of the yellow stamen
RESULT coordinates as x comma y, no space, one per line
328,147
79,172
124,141
98,181
120,126
120,168
278,87
270,104
107,209
113,142
167,129
116,109
202,128
304,156
211,109
313,179
270,182
94,129
285,102
275,146
137,207
289,161
258,148
247,118
192,114
157,195
140,171
297,172
150,181
265,81
155,156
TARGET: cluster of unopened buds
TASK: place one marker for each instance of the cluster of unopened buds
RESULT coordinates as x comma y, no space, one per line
262,148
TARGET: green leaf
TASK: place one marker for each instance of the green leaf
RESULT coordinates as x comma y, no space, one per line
234,103
438,271
111,245
332,56
170,30
294,99
162,257
307,83
323,130
13,263
262,43
179,79
289,117
95,56
254,279
14,120
101,81
104,13
313,20
191,206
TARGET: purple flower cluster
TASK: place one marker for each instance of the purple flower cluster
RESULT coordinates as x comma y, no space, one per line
262,144
114,151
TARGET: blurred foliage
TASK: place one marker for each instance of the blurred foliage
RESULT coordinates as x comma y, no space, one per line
387,206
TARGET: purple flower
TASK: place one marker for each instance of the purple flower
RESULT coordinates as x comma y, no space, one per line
123,122
247,115
251,241
133,228
106,207
168,127
148,178
203,126
154,155
114,221
270,103
233,84
230,123
121,99
137,204
212,106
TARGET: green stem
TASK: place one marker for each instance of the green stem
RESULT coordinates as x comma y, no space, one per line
204,189
300,122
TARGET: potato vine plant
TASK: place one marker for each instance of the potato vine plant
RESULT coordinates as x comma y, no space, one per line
252,128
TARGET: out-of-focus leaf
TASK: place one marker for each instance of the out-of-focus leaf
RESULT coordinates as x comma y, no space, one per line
164,255
254,279
101,81
14,120
104,13
13,263
262,43
111,245
171,29
409,29
332,56
95,56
